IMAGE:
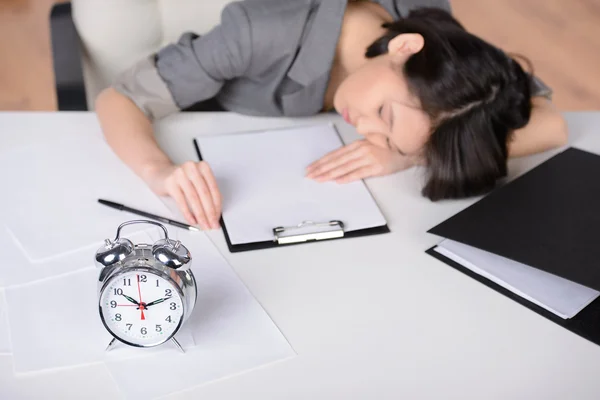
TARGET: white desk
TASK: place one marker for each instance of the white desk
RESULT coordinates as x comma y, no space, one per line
370,318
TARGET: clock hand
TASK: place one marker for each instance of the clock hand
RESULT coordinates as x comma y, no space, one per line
157,301
140,294
131,299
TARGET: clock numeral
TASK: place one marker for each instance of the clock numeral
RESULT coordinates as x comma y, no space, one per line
143,331
173,306
129,326
118,292
113,304
157,283
126,282
168,293
143,278
158,328
117,317
168,319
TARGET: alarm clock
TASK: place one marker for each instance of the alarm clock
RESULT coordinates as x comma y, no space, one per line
146,292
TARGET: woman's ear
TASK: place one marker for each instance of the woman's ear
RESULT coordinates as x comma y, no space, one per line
405,45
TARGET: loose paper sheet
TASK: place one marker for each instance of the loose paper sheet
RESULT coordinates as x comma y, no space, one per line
261,176
18,269
231,331
64,214
557,295
5,347
55,324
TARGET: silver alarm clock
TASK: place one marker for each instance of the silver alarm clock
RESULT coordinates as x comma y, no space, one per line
146,292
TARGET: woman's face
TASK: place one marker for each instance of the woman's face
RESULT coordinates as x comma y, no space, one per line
376,100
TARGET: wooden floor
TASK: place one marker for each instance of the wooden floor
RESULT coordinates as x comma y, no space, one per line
560,37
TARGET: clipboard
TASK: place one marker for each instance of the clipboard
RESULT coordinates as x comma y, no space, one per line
540,219
298,239
301,231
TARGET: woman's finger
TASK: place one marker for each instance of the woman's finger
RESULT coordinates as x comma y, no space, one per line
192,198
344,169
199,183
331,156
177,194
210,180
358,174
324,172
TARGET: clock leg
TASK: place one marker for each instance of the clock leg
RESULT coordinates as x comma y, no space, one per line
110,344
177,344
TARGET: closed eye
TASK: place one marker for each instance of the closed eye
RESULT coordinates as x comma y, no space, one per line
388,121
389,144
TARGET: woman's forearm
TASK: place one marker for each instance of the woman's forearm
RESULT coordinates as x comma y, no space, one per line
547,129
129,133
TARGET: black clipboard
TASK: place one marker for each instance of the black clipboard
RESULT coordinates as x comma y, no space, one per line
300,234
547,218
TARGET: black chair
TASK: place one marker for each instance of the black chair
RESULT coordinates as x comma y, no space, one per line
66,60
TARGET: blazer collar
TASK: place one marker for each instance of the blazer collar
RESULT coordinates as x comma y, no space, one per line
318,48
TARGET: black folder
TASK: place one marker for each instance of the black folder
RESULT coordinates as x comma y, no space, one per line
549,219
328,230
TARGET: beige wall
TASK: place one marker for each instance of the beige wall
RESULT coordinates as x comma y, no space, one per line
560,37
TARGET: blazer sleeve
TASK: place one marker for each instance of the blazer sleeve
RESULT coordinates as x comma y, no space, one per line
193,69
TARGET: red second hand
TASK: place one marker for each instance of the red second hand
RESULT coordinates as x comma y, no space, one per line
140,294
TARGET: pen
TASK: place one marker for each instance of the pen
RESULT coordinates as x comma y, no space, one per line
148,215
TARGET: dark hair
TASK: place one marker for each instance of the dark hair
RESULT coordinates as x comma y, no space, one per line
474,93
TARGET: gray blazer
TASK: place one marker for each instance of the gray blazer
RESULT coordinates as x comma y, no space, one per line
266,58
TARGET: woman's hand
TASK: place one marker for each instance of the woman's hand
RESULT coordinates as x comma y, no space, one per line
193,187
358,160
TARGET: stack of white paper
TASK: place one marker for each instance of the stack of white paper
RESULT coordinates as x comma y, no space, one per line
49,307
557,295
54,323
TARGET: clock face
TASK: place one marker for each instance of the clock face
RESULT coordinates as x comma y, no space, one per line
141,308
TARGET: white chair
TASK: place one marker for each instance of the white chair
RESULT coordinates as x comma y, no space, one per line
94,40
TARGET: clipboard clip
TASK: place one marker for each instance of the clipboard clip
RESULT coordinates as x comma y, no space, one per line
307,231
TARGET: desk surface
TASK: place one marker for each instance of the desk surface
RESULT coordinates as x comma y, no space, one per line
370,318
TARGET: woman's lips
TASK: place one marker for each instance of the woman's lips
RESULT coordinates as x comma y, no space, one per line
346,116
